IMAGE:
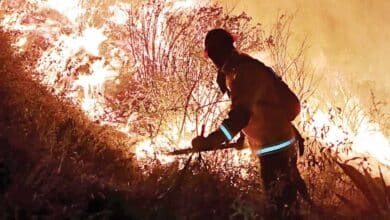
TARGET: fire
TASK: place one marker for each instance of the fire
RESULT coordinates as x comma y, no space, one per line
184,4
87,83
160,145
334,134
370,139
144,151
91,39
367,138
21,43
93,84
87,89
70,8
119,15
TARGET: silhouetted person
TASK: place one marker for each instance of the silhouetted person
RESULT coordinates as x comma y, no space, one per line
262,108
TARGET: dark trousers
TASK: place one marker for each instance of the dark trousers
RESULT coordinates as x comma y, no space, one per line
281,180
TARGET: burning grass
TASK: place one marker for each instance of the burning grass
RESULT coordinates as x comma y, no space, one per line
89,142
57,163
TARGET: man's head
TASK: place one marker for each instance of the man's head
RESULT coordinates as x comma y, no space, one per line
219,45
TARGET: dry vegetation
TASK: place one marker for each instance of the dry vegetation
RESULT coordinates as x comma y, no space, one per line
56,163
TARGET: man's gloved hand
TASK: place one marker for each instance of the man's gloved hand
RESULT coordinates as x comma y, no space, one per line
240,142
201,143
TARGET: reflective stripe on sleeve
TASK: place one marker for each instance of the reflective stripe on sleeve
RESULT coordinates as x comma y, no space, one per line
226,132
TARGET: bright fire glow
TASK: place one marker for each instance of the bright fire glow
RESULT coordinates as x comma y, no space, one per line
334,134
70,8
184,4
119,15
88,86
367,140
91,40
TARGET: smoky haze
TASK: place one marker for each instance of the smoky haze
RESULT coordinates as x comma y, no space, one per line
349,39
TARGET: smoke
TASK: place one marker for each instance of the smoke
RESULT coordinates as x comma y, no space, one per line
349,50
348,39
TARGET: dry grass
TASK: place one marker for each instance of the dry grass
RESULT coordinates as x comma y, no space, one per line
50,147
55,163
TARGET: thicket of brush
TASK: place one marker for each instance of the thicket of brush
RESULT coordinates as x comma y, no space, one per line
56,163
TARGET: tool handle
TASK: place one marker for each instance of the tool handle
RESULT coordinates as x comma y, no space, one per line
202,131
219,147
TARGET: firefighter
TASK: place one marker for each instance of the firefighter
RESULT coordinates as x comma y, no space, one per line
262,107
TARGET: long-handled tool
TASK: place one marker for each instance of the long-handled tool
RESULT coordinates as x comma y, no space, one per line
177,181
237,145
192,150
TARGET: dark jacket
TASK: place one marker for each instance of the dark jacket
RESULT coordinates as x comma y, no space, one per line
257,106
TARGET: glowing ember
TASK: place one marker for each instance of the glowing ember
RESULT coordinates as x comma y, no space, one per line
21,43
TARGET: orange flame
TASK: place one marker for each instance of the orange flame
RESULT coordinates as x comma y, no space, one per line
88,88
